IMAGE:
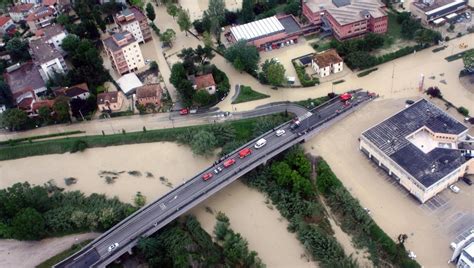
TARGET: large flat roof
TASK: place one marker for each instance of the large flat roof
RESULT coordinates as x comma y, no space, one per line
257,29
433,6
345,12
390,136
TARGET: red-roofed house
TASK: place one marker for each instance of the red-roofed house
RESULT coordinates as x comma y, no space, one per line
6,25
205,82
327,62
20,12
80,91
41,103
110,101
150,93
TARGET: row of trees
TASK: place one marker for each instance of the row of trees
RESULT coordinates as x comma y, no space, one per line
244,57
34,212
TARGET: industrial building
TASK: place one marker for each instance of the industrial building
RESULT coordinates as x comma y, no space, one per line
269,33
434,10
420,148
347,18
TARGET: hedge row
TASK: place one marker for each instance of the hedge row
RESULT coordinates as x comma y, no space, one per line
305,79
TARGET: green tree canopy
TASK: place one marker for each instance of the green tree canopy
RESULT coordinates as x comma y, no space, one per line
14,119
468,59
18,49
244,57
61,108
178,73
247,13
28,224
139,200
274,72
202,98
150,12
203,143
168,37
44,113
184,21
5,94
172,10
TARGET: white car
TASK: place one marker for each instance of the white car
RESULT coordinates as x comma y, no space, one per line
260,143
454,188
113,246
280,132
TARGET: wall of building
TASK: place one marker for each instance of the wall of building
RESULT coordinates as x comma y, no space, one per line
134,28
133,56
338,67
145,101
348,30
57,41
405,179
378,25
314,18
5,26
49,68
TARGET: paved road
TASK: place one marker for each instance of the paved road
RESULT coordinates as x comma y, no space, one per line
151,218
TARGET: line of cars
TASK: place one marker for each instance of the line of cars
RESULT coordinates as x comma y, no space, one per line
242,154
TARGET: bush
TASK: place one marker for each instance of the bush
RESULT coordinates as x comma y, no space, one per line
434,92
463,111
78,146
364,73
305,79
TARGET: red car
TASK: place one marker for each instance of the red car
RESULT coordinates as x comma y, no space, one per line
207,176
184,111
244,152
229,163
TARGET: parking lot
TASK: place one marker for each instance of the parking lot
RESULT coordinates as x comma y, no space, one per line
461,24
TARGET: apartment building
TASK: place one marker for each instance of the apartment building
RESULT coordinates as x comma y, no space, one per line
124,52
347,18
40,17
19,12
327,62
48,58
134,21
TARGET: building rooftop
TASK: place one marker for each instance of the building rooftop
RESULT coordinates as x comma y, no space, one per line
40,12
117,40
149,91
137,15
50,31
290,24
390,136
257,29
348,11
21,8
72,91
26,76
107,97
469,251
432,6
42,52
48,2
204,81
3,20
129,82
327,58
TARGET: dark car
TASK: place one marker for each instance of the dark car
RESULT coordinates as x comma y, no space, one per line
409,102
467,180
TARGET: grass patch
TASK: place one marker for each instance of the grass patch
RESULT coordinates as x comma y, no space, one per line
243,131
61,256
394,28
457,56
338,82
32,138
248,94
366,72
311,103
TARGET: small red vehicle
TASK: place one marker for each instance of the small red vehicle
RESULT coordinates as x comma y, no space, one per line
345,97
207,176
244,152
229,163
184,111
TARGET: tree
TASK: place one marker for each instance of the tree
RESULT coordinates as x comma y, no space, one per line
216,13
168,37
14,119
61,109
203,54
202,98
274,72
153,66
186,92
184,21
28,224
150,12
139,200
247,14
178,73
64,19
172,10
207,39
374,41
468,60
243,56
203,143
18,49
44,113
138,3
434,92
293,7
5,94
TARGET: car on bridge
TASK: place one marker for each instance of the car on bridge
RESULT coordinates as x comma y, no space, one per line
280,132
112,247
244,152
229,162
260,143
207,176
295,125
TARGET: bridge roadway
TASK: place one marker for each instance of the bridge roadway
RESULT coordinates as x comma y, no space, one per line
157,214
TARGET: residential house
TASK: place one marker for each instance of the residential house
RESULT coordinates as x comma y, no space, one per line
327,62
40,17
58,5
37,104
134,21
110,101
124,52
19,12
149,94
204,82
48,58
347,18
54,35
21,78
7,26
79,91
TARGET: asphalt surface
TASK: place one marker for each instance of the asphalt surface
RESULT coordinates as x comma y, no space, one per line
155,215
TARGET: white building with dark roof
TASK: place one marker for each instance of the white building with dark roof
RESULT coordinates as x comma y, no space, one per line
419,147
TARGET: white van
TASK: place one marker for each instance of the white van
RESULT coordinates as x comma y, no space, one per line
260,143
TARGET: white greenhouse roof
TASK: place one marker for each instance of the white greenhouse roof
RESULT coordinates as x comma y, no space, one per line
256,29
129,82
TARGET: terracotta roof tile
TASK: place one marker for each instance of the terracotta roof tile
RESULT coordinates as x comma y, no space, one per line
204,81
327,58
